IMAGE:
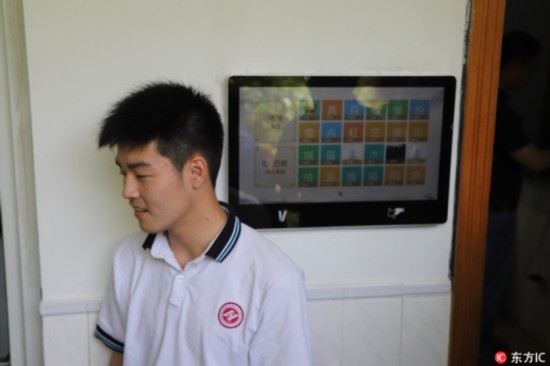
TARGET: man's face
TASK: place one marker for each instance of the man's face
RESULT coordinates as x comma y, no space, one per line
157,192
520,74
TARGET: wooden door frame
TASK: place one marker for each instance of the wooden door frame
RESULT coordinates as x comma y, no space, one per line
476,153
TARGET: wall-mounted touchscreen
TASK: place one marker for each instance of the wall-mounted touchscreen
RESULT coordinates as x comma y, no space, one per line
340,151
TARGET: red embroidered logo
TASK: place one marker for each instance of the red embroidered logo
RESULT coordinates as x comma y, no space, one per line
230,315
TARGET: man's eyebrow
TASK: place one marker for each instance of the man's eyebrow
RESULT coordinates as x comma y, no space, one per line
136,165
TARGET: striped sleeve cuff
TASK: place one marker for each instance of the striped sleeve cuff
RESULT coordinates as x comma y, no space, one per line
108,340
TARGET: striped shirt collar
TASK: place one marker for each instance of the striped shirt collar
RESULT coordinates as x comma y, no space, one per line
223,244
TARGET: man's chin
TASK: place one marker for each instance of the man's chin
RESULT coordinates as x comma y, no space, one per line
148,229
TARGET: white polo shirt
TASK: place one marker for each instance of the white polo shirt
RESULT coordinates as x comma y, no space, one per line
241,303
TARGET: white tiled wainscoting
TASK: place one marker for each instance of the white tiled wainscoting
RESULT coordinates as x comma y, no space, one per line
367,324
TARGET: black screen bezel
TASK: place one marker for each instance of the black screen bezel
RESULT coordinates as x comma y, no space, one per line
342,213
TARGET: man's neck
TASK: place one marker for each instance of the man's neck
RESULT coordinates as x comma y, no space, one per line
191,239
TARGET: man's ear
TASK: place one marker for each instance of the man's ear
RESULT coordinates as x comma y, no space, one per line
198,168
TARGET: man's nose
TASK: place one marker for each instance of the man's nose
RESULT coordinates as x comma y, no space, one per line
129,189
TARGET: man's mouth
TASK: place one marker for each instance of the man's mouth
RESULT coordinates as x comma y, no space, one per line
139,212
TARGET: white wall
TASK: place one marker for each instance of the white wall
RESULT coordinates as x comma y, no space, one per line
83,55
17,192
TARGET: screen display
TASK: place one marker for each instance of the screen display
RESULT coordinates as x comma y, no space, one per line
300,145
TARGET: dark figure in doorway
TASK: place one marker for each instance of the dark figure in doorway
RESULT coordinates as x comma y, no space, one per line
513,153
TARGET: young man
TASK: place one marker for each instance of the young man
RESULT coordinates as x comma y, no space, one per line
513,153
198,287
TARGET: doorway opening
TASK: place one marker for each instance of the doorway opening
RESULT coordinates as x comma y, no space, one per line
523,318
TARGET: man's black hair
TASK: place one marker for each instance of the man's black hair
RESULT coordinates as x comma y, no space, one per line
180,119
521,47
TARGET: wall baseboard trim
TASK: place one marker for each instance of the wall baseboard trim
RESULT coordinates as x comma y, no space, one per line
60,307
364,291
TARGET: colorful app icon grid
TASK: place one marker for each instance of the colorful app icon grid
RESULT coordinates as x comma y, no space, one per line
349,143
